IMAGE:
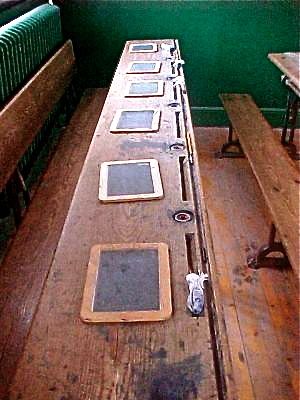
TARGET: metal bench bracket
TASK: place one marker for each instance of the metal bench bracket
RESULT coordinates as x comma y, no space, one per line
232,148
263,258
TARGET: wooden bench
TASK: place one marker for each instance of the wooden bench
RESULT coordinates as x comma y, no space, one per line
276,174
26,265
23,117
27,261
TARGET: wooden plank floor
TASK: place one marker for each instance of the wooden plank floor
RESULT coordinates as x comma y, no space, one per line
26,265
258,310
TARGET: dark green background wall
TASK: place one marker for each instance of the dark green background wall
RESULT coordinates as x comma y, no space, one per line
225,43
9,11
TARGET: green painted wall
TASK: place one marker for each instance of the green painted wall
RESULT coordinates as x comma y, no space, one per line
225,44
8,13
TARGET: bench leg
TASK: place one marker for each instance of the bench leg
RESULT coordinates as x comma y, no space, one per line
16,185
262,258
290,122
232,148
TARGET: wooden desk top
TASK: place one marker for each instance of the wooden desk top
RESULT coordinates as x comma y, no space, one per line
66,358
289,64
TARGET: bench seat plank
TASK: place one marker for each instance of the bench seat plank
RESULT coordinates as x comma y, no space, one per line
26,113
277,175
31,252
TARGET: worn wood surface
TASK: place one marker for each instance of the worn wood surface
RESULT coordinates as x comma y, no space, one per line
65,358
289,64
276,174
257,312
24,115
25,268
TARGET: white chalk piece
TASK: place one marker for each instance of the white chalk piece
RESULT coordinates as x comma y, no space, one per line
195,300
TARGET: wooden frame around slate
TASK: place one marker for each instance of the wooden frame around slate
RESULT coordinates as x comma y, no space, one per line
154,126
157,193
153,50
165,302
159,92
155,70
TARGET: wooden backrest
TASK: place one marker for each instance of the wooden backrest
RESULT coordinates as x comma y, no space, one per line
22,118
276,174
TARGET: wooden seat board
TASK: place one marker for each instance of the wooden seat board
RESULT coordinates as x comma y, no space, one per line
65,357
25,114
31,252
276,173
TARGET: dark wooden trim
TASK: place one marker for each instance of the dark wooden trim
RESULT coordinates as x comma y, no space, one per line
24,115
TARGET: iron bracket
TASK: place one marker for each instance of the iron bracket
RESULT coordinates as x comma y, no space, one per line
262,258
227,150
290,122
16,185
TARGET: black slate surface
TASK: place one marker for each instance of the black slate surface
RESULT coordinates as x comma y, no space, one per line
129,179
140,47
143,66
128,280
143,87
135,119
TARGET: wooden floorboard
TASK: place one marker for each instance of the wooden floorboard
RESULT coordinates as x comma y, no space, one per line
260,308
26,265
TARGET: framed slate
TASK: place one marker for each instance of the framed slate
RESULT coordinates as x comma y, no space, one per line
142,48
145,88
128,121
130,180
127,282
143,67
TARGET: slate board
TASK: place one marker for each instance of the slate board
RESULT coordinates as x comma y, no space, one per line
143,87
146,66
141,47
129,179
128,280
136,119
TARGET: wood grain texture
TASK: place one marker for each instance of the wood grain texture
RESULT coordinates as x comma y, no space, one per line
289,64
65,358
27,263
24,115
276,174
257,312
